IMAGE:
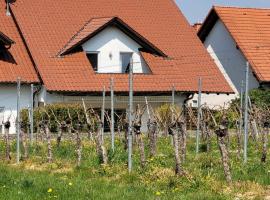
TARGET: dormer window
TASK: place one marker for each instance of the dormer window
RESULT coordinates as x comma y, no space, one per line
93,59
116,43
125,61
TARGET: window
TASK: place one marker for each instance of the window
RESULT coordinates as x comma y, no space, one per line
125,61
195,103
93,59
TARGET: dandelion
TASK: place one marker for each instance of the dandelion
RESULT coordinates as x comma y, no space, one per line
70,184
158,193
50,190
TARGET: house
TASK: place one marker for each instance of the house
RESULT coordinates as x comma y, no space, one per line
74,48
14,62
234,36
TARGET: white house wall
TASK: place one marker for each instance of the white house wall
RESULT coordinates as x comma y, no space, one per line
230,61
109,43
8,100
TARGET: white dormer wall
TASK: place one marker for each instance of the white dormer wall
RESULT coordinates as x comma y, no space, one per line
109,43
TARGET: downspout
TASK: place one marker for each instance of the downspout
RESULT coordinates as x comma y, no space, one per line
36,92
189,97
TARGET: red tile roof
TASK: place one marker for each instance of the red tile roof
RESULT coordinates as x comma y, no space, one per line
48,25
96,25
250,28
5,40
83,34
16,62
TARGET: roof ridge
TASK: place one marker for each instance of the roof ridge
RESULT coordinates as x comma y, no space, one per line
80,30
239,7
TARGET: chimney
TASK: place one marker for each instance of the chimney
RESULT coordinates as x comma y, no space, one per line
197,26
8,9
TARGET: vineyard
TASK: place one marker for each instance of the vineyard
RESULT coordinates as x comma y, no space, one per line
71,156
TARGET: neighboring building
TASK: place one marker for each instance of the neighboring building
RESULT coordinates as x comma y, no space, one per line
233,36
76,47
14,62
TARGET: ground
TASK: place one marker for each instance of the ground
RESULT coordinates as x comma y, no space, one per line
33,178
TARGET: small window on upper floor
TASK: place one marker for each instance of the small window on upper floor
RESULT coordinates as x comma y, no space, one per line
93,59
125,61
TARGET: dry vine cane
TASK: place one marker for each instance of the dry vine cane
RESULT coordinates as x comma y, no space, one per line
178,164
265,141
7,139
78,130
152,129
221,133
46,129
24,132
137,129
60,129
179,120
97,127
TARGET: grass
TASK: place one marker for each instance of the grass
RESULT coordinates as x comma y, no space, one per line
35,179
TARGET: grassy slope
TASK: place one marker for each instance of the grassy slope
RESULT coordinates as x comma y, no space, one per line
204,180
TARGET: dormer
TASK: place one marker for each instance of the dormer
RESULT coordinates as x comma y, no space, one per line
110,45
5,44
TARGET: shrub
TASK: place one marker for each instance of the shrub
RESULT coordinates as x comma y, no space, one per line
60,113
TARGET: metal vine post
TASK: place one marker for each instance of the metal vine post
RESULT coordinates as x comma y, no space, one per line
198,115
18,118
130,116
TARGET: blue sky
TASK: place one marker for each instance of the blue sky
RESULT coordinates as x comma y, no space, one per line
196,10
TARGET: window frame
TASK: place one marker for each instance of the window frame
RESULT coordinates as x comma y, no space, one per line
96,53
121,63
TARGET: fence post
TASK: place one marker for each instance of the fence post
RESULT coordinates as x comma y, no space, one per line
32,114
130,116
103,113
246,114
198,115
112,113
18,118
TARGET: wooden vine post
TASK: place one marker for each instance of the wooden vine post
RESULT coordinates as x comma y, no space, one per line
7,141
221,133
137,129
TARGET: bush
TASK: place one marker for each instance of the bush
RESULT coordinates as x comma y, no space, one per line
260,97
60,113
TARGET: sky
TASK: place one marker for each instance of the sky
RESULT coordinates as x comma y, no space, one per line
196,10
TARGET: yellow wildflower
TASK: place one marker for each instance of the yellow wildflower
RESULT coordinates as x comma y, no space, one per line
70,184
50,190
158,193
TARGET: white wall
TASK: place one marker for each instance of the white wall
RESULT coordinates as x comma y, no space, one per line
8,100
112,41
230,61
121,102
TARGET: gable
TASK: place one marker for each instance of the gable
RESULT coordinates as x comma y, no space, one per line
249,28
95,25
109,44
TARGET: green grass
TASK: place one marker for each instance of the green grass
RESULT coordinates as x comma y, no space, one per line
204,175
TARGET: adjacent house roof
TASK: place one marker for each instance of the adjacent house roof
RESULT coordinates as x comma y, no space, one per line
14,60
250,28
51,26
96,25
